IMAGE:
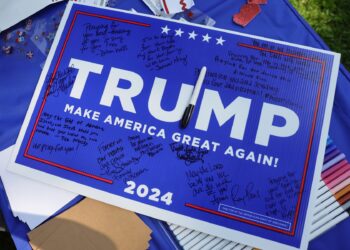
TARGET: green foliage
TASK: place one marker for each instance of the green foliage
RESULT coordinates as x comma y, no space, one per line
331,20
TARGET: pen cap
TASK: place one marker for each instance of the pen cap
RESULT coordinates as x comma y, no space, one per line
198,86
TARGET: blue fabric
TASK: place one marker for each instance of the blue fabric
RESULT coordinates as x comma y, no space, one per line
278,20
335,239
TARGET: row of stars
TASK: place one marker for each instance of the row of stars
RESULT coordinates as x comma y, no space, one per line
192,35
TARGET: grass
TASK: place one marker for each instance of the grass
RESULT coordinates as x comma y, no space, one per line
331,20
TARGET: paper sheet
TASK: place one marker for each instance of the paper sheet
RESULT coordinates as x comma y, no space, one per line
12,12
173,7
31,201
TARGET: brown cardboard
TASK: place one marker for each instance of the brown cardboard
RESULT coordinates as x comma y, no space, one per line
41,233
92,225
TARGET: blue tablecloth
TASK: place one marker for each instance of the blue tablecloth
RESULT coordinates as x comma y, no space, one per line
20,71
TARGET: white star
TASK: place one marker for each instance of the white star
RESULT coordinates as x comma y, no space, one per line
206,38
220,41
178,32
192,35
165,29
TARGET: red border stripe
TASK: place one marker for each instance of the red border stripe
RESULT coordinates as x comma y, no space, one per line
70,169
114,19
49,85
279,52
306,165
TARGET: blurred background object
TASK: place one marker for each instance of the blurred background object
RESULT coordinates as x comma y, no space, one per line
331,20
5,237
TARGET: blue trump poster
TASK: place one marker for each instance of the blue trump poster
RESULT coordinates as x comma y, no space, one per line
105,122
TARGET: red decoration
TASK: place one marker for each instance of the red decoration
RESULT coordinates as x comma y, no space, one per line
246,14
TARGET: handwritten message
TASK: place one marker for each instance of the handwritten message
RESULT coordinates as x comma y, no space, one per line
188,154
145,146
104,39
71,133
61,83
211,181
282,191
118,162
252,74
160,51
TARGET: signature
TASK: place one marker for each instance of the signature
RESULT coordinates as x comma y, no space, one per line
188,154
239,195
62,81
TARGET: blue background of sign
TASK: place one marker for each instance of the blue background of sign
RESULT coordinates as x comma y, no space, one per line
166,177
